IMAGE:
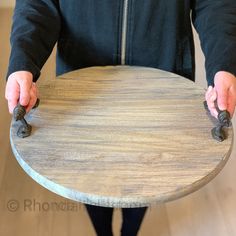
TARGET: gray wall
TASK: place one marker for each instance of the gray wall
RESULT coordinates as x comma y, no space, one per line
7,3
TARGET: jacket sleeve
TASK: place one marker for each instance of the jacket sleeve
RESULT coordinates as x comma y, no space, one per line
215,22
35,30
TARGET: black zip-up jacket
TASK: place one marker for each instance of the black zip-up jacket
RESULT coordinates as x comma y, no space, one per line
153,33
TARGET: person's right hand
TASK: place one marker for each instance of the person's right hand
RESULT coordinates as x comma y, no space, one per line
21,89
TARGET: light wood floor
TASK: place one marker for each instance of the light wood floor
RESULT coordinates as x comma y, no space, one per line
210,211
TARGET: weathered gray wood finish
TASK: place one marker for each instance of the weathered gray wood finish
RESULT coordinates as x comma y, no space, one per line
121,137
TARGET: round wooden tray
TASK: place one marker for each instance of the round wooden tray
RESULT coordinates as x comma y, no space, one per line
120,137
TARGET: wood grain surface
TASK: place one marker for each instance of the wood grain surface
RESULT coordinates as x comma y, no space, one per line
120,137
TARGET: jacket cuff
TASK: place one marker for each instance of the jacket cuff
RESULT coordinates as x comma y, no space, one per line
19,64
217,68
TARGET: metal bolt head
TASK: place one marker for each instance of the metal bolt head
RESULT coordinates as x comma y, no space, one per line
224,118
19,112
24,131
218,133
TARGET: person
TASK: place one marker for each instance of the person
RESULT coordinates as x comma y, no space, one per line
152,33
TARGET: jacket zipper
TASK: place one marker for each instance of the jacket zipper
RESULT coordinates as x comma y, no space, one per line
124,32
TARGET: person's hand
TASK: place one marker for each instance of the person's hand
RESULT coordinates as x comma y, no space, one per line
224,92
20,88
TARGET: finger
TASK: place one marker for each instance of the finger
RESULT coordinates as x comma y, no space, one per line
36,89
12,104
12,94
213,111
210,98
31,104
231,103
231,109
32,101
25,87
208,92
213,97
222,98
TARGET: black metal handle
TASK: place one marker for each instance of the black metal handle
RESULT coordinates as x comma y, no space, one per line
19,112
218,132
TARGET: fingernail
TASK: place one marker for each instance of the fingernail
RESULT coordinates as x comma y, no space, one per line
23,102
222,108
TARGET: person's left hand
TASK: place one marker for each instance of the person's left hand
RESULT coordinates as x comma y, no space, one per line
224,92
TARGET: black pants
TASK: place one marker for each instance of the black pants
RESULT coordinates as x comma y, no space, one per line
101,218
